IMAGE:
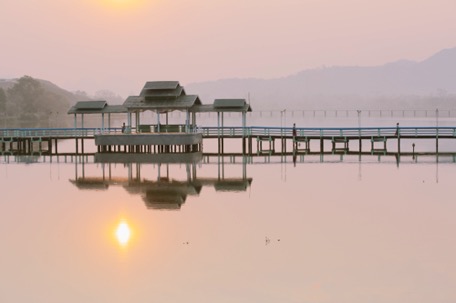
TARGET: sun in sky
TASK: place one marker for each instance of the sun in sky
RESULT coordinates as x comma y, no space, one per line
122,4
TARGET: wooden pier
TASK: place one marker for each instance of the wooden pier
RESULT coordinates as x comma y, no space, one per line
338,138
254,139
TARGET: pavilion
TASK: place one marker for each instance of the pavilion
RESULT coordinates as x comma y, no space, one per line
160,97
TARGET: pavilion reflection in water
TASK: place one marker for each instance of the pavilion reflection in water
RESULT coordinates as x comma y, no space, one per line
163,189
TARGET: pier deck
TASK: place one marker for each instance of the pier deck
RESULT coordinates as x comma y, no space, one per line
24,139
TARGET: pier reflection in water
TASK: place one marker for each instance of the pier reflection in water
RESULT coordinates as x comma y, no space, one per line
162,190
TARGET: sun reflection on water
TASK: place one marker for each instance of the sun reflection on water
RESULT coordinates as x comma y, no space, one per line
123,233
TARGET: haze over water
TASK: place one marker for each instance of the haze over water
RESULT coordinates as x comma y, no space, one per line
326,229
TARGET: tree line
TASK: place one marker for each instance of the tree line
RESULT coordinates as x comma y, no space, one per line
28,103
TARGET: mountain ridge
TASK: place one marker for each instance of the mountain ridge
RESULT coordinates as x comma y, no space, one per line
434,76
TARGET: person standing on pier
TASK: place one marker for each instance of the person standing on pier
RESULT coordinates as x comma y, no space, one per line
294,136
123,128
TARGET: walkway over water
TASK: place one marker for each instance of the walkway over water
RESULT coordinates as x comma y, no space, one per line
24,139
250,131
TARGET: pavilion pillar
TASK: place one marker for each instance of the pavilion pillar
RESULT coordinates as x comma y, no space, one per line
187,122
243,123
158,121
102,122
109,120
223,125
137,121
75,121
129,121
244,143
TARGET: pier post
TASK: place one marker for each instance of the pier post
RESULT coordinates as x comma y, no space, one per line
437,131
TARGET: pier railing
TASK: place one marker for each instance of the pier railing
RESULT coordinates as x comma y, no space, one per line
351,132
251,131
55,132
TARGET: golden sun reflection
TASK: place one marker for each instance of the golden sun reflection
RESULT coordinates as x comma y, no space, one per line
123,233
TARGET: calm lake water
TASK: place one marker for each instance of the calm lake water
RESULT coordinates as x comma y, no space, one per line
326,229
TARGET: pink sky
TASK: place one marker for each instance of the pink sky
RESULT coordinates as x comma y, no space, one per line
120,44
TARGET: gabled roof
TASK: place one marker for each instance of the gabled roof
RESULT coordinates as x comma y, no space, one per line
181,103
154,90
88,108
152,95
224,105
158,85
231,103
91,105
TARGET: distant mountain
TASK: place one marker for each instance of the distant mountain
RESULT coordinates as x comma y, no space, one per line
431,82
29,102
66,96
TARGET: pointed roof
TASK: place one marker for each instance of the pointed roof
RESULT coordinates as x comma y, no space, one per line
157,90
88,105
159,85
180,103
96,107
224,105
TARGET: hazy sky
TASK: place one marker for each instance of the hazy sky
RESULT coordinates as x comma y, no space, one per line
120,44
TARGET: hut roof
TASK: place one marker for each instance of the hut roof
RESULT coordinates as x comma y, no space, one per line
180,103
94,107
158,85
230,103
91,105
154,90
224,105
152,95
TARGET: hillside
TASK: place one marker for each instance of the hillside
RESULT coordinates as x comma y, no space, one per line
430,83
30,102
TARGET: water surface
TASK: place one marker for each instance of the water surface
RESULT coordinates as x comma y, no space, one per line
332,231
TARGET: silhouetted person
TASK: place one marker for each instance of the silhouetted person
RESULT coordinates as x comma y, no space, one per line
294,136
123,127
